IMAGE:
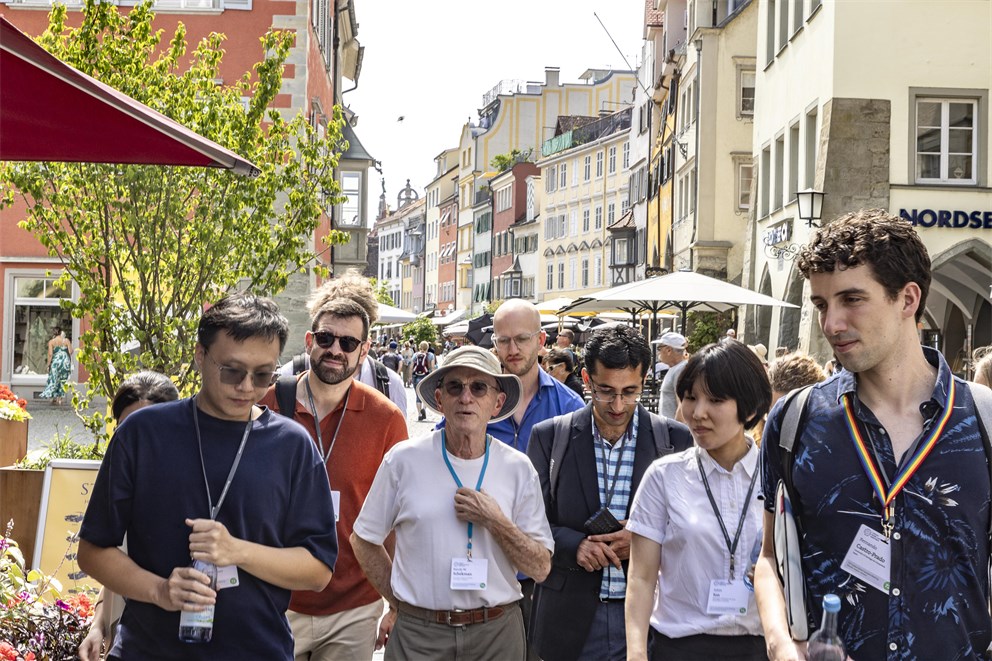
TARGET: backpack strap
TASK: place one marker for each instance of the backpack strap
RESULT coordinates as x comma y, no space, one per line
381,377
563,433
663,443
286,395
983,412
794,410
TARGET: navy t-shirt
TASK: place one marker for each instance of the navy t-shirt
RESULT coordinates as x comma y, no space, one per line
151,481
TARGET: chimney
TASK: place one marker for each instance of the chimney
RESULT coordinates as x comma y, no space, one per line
551,77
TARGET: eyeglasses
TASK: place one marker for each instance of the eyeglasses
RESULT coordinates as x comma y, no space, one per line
608,397
234,376
325,340
478,389
519,340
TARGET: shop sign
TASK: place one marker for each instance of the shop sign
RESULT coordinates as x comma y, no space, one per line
778,233
949,218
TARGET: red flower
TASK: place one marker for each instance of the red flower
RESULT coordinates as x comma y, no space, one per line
7,651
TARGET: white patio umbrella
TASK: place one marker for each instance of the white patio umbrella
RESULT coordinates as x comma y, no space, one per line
683,291
551,306
390,315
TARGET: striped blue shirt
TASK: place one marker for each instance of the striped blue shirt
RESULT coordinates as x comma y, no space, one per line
614,585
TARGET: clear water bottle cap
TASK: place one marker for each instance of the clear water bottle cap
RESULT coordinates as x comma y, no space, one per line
831,603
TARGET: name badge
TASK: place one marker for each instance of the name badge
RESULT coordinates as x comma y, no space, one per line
728,598
336,499
469,574
227,577
868,559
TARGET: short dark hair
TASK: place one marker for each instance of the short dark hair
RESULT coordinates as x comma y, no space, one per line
731,371
149,386
617,348
873,237
342,308
242,316
556,356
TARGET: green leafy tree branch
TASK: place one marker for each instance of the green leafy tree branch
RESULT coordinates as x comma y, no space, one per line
149,246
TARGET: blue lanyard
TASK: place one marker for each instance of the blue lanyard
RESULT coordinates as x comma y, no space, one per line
478,485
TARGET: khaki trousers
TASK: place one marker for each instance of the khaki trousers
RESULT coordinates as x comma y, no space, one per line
345,636
502,639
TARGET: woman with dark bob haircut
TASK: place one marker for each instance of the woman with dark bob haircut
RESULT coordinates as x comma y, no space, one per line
695,601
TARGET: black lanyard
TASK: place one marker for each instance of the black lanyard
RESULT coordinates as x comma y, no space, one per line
316,421
731,546
214,509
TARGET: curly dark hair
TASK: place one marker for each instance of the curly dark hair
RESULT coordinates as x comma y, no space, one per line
873,237
617,348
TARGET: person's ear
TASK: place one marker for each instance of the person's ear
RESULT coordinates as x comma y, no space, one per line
585,376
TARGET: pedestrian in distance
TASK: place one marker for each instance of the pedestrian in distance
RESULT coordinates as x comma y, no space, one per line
352,425
889,473
696,523
135,392
467,515
59,366
423,364
215,479
392,358
559,364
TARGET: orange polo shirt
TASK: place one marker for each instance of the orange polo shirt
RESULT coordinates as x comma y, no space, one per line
372,424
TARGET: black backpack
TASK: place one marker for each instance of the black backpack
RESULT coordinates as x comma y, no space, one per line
286,387
421,364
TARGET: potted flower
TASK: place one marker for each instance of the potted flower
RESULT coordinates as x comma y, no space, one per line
13,427
37,621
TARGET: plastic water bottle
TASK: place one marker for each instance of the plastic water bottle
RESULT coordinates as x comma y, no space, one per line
825,644
198,627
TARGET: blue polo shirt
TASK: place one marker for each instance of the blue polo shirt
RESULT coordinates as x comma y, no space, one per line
552,398
937,607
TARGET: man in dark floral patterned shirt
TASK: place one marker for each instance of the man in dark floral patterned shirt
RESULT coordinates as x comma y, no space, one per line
890,458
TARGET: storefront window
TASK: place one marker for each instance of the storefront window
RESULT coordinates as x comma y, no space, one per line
36,312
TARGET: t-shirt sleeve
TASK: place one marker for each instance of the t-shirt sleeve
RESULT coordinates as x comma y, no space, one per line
649,512
108,513
771,462
310,517
529,515
379,511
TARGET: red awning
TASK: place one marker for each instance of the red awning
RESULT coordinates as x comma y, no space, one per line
49,111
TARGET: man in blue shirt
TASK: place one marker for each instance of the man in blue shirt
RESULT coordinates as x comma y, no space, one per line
889,458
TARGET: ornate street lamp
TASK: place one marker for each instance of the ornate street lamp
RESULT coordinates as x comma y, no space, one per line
810,203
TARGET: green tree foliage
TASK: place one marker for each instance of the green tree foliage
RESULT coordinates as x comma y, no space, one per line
148,246
493,305
420,329
381,291
503,162
707,327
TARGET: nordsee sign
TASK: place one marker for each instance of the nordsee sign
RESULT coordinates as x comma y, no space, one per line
948,218
778,233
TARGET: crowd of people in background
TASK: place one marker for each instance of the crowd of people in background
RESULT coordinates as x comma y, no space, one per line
610,499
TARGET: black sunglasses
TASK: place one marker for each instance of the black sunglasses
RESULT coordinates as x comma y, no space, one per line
234,376
477,388
325,340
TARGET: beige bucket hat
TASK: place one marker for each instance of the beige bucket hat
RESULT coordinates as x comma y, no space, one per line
478,359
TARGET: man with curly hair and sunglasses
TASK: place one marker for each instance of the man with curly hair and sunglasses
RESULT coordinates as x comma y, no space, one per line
352,425
222,480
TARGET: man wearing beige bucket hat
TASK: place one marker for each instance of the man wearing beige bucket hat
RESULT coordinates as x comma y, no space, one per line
467,513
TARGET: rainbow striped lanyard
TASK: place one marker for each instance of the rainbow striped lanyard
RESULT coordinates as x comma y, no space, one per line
875,474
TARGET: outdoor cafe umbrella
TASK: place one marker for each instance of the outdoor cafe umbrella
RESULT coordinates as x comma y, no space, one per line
50,111
390,315
682,290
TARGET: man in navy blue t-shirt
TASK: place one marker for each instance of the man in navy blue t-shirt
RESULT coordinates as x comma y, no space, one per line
215,479
889,469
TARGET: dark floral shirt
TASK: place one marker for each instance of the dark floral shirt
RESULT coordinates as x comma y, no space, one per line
937,608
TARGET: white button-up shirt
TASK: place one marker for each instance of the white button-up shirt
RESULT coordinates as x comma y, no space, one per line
671,508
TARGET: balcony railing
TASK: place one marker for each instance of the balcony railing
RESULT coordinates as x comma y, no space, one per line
618,121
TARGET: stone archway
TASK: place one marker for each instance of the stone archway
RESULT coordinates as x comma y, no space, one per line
788,334
960,290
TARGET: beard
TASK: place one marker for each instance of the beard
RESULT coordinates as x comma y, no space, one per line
330,375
